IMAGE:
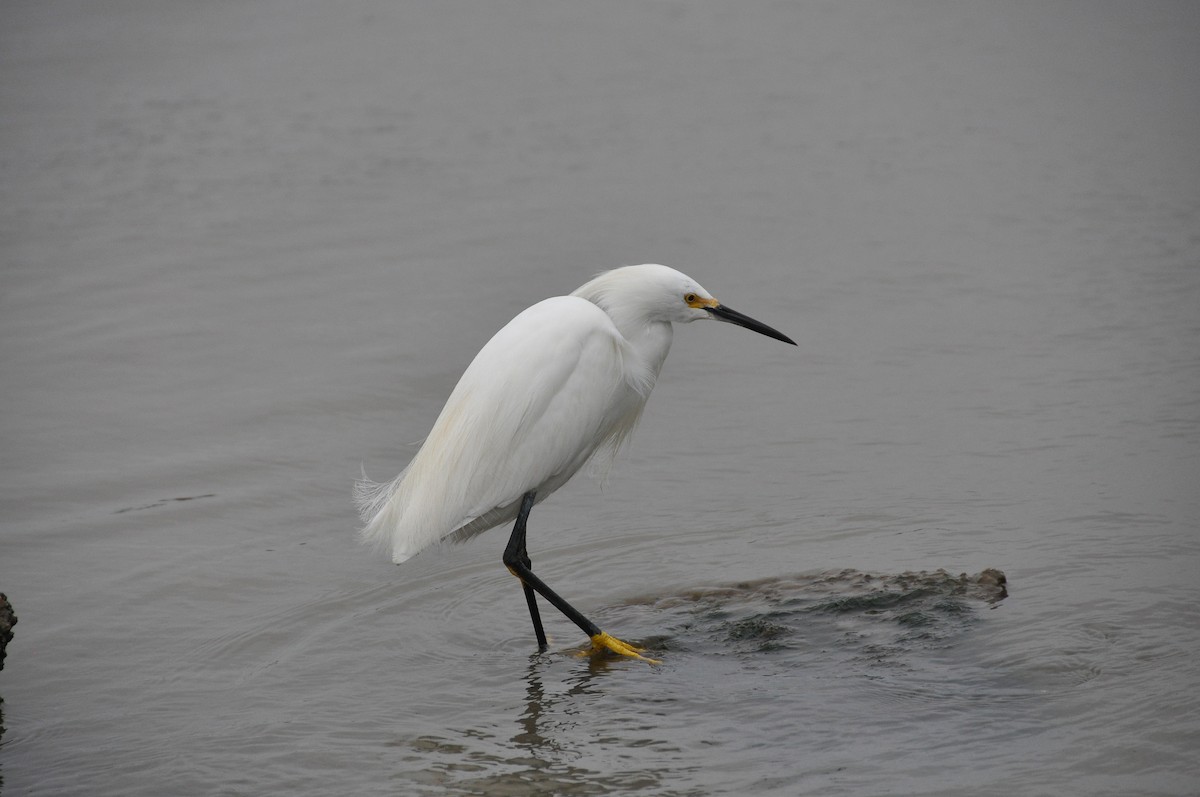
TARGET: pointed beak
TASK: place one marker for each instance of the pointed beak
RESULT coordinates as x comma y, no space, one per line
723,313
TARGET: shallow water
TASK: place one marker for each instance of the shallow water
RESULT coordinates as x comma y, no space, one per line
248,249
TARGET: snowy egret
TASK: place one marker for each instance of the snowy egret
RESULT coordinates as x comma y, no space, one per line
562,383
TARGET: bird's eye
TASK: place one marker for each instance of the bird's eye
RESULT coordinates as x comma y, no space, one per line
690,298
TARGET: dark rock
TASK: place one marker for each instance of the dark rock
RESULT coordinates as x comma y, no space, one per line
7,621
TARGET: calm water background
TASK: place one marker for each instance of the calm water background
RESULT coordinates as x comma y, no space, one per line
248,248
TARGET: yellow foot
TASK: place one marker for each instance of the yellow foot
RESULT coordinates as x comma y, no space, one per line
602,642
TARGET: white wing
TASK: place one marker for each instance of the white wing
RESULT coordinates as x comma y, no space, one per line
540,397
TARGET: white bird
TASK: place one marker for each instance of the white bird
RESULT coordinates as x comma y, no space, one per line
563,382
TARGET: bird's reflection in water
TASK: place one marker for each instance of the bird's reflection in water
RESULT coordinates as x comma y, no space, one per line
531,736
557,741
543,711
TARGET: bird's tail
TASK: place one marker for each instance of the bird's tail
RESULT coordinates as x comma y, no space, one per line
379,510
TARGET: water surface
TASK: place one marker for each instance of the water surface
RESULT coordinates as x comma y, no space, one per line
248,249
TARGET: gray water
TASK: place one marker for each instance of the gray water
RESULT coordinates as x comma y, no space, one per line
249,247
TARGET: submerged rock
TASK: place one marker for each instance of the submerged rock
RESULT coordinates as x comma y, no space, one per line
877,620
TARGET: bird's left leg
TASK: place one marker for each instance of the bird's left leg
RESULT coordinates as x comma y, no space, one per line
516,558
515,552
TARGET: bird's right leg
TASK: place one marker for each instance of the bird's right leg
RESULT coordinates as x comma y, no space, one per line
516,559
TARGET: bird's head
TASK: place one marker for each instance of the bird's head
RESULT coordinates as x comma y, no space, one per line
653,293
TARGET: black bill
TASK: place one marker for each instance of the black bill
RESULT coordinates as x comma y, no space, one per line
723,313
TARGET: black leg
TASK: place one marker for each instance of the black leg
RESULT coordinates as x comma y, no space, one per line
516,559
535,615
516,552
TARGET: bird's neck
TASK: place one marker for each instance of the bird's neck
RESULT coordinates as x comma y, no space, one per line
651,342
650,339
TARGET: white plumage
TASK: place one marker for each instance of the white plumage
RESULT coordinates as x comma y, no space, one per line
565,379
